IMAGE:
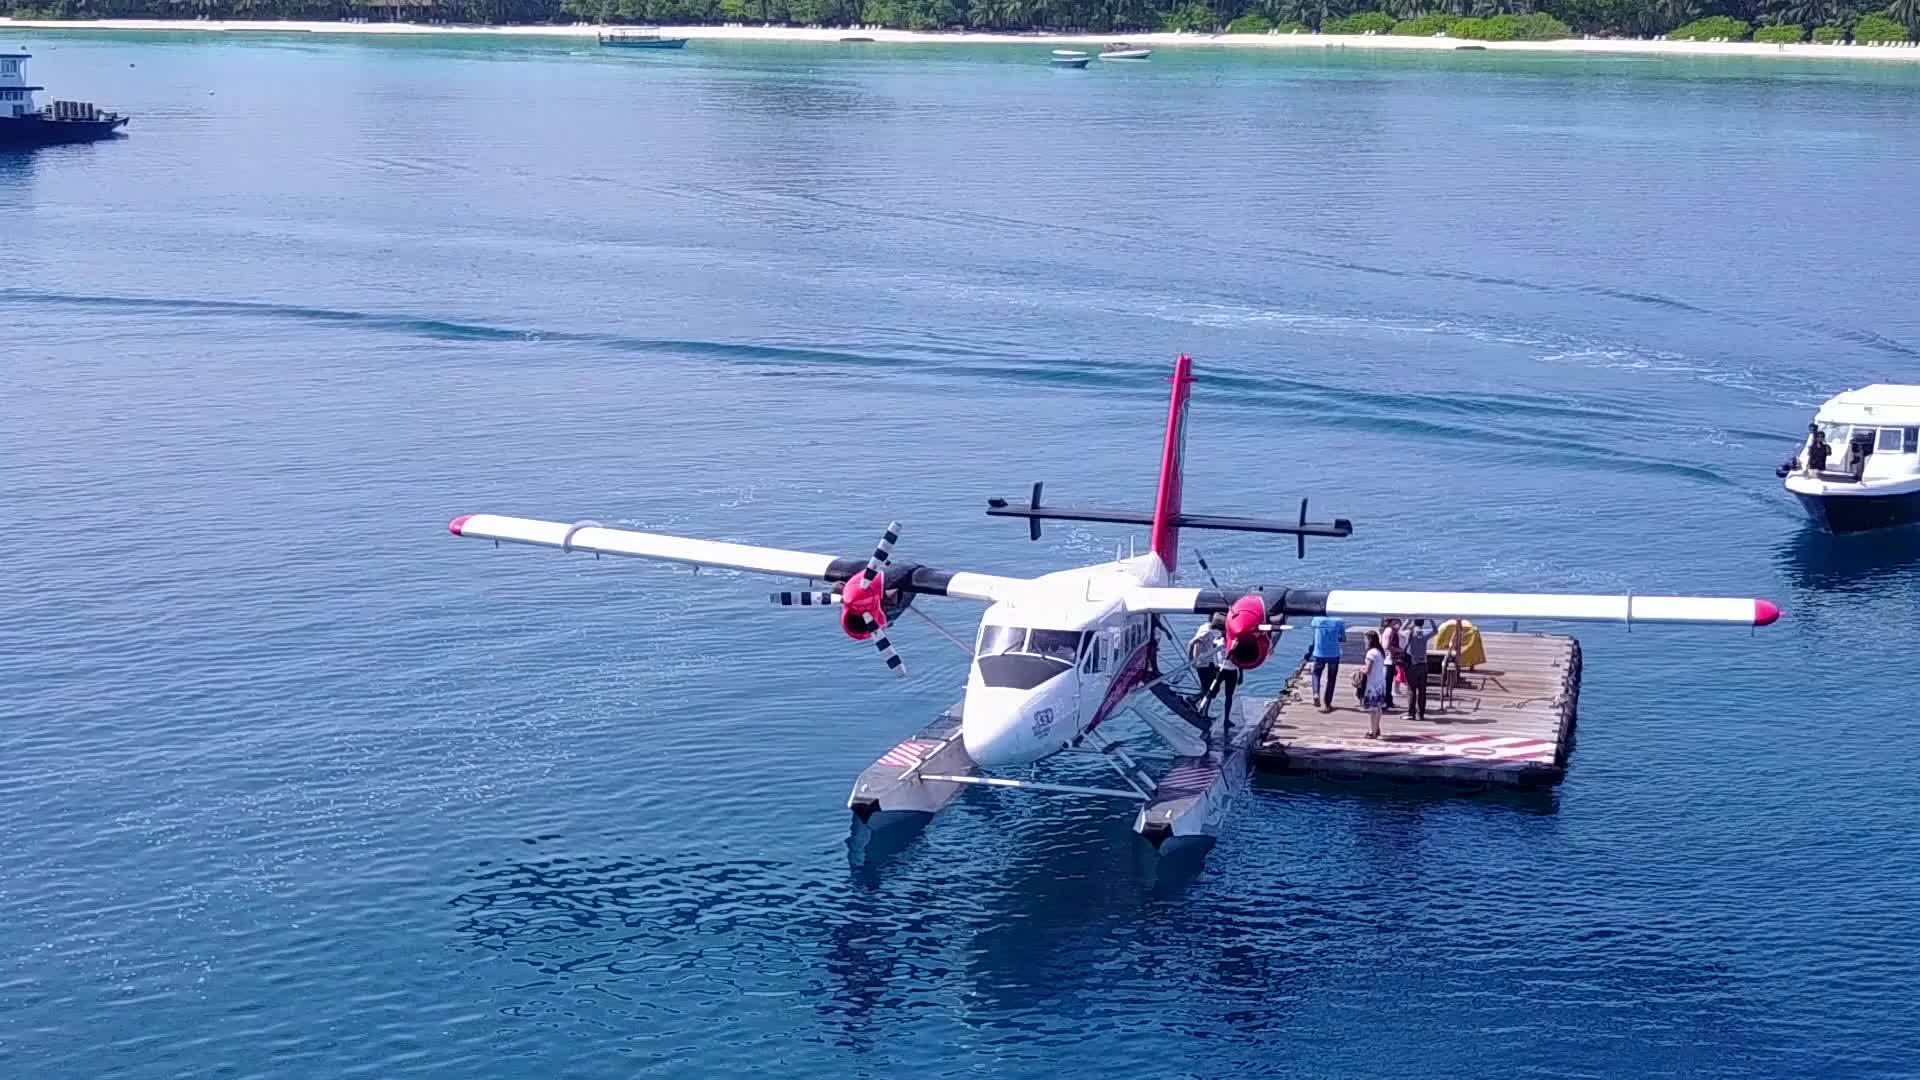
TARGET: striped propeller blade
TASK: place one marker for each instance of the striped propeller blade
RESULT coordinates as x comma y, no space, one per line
882,551
805,599
894,663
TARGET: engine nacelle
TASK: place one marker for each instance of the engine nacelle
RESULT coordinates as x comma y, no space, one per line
860,598
1247,644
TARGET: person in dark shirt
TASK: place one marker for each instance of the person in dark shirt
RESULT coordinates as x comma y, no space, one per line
1818,451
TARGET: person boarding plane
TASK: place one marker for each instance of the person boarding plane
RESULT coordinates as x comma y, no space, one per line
1057,656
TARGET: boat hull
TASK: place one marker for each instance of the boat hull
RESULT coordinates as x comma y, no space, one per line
1065,62
1130,54
1842,514
663,43
23,131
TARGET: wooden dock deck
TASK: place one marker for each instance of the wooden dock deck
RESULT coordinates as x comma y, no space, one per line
1510,723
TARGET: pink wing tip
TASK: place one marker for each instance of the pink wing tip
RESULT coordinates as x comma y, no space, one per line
1765,613
457,524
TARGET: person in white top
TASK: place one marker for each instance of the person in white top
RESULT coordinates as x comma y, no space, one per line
1374,696
1208,652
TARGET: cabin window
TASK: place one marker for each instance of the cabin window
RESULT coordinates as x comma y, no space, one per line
1889,441
1913,439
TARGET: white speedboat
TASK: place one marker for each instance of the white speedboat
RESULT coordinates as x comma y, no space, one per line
1120,50
1069,58
1859,467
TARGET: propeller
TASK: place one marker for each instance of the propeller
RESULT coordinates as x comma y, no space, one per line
805,599
1208,570
862,599
872,613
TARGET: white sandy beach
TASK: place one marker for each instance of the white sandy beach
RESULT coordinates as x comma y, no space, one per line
1156,41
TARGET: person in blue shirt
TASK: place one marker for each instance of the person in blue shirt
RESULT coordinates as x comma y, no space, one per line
1329,632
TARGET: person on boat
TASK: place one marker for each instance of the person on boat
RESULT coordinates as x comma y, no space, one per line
1329,632
1418,633
1818,450
1373,684
1207,651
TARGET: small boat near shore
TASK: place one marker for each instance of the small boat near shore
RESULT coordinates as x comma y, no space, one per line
1069,58
1120,50
23,123
646,37
1859,468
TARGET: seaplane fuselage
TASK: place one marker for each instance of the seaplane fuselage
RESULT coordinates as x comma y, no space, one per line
1055,659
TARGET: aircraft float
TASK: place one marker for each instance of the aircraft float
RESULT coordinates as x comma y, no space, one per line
1056,657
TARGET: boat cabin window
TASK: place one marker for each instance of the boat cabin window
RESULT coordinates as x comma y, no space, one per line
1890,441
1913,439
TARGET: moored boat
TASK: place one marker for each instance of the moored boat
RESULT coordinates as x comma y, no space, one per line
646,37
1120,50
23,123
1859,468
1069,58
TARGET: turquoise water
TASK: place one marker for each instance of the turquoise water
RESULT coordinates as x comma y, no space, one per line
297,785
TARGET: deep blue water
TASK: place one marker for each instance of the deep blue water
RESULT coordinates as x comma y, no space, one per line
295,784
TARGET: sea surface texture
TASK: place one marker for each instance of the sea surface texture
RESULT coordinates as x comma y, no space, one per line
297,785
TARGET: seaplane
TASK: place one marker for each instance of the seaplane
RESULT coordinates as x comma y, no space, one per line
1056,658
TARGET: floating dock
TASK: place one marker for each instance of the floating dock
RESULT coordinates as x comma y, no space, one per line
1509,723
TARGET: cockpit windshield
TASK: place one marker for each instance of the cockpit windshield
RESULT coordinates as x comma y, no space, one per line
1015,656
1061,645
995,640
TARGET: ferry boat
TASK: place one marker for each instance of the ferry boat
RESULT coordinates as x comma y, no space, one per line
1859,468
646,37
23,123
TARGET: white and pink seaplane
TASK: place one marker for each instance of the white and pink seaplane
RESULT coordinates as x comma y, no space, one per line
1056,657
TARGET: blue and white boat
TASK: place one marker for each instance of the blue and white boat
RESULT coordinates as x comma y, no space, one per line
1069,58
24,123
1869,474
645,37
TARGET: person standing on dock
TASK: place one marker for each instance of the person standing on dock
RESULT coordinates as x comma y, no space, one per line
1374,683
1390,644
1329,635
1418,633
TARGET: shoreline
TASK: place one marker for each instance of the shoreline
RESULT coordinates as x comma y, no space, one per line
1156,40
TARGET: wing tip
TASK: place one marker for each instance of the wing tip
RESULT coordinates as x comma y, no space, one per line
1765,613
458,524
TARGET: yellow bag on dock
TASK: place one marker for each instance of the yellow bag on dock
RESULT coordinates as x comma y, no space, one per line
1473,651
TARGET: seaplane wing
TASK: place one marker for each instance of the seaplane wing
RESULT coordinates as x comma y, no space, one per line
591,536
1559,607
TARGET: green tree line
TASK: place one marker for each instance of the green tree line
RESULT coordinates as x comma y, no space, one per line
1489,20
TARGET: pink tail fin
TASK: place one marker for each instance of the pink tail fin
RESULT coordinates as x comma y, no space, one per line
1166,505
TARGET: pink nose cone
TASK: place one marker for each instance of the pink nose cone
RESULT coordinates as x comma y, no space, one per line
1765,613
457,524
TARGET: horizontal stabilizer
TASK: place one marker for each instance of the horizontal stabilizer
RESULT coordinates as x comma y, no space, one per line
1035,512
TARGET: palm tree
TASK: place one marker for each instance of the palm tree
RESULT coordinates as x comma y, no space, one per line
1906,11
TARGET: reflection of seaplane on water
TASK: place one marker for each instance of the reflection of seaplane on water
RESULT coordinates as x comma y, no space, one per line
1059,655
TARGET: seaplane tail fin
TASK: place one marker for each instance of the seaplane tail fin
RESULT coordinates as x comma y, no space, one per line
1168,516
1173,454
